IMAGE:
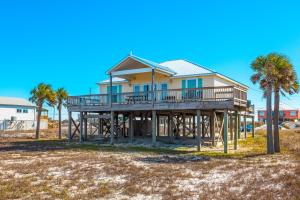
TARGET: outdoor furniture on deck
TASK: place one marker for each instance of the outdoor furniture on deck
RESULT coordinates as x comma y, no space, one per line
137,98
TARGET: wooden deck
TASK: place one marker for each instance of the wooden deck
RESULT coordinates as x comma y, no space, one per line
205,98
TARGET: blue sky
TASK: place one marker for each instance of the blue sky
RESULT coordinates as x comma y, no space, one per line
72,43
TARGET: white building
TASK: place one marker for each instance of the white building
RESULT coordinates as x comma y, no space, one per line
19,114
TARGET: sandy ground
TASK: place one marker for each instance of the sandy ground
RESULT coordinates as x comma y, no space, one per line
57,170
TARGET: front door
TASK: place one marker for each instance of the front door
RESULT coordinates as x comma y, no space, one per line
114,94
191,84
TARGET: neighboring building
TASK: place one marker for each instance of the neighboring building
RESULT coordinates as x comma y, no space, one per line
139,93
19,114
284,115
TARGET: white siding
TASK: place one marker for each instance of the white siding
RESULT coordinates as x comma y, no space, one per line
6,112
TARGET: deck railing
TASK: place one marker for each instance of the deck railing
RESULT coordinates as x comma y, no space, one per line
163,96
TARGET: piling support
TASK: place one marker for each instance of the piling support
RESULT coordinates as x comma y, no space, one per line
131,128
153,127
225,131
245,126
69,126
236,130
253,126
212,128
198,130
112,127
183,125
239,126
81,127
85,126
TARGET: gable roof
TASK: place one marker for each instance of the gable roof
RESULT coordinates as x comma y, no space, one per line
146,62
13,101
176,68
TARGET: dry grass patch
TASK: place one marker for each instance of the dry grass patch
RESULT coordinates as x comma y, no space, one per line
57,170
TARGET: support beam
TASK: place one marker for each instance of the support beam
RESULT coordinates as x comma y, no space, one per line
123,125
69,126
81,128
203,126
99,126
236,130
245,126
225,131
131,128
212,128
239,126
85,126
198,130
157,125
153,127
253,126
184,125
194,126
112,127
231,126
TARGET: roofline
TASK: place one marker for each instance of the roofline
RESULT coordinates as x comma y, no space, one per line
106,83
199,65
193,75
33,106
232,80
141,61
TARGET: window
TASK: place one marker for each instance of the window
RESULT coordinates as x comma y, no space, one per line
261,113
19,110
136,89
293,113
25,110
164,88
281,113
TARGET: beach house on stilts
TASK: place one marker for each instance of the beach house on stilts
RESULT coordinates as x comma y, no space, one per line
176,101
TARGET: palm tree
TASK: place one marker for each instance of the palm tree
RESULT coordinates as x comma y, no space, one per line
39,95
264,74
285,81
61,97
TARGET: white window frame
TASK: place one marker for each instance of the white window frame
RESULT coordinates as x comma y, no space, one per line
186,82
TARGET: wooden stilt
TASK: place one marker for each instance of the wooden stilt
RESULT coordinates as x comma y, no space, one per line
100,129
112,127
81,128
253,126
203,126
164,125
69,126
153,127
239,126
157,124
198,130
225,131
123,125
131,128
194,126
236,130
183,125
85,126
231,126
245,126
212,128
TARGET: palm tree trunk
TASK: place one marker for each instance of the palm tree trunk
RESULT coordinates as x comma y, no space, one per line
37,131
276,121
270,146
59,122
